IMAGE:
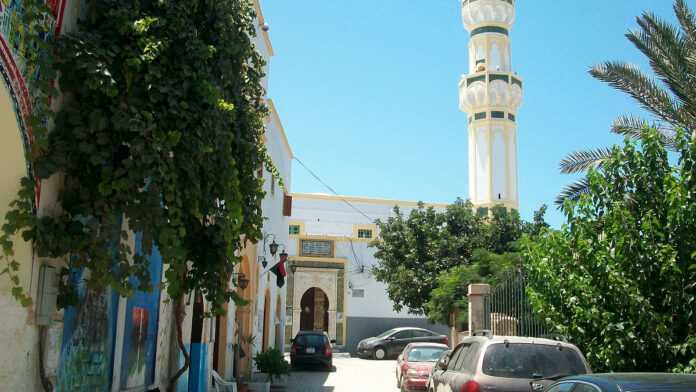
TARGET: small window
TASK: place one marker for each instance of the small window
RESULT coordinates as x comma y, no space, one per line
358,293
365,233
294,230
407,334
451,365
562,387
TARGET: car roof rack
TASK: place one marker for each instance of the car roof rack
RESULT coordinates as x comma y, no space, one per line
555,336
483,332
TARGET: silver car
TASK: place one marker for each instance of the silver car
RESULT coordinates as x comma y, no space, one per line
506,363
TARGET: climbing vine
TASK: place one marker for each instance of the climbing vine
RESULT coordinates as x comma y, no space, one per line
39,75
160,133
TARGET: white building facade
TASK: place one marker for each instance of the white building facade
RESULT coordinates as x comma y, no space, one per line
491,95
330,283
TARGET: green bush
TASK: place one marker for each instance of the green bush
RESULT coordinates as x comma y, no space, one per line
272,362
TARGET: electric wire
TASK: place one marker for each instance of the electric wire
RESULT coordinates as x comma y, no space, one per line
327,186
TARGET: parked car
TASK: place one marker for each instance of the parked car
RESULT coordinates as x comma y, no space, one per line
440,365
617,382
311,348
391,343
505,363
414,365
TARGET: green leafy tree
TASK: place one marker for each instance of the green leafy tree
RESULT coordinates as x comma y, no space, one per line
671,99
161,133
620,276
414,251
450,293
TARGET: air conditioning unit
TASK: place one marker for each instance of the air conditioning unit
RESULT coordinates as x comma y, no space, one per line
48,294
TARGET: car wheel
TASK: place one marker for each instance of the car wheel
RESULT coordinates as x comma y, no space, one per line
380,353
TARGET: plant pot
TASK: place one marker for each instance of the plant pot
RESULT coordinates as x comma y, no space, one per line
258,386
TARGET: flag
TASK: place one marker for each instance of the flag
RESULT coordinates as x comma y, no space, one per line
279,270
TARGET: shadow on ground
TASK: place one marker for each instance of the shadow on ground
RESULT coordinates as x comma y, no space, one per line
309,380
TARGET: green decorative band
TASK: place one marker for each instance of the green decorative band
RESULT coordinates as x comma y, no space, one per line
481,61
474,79
502,77
489,29
497,114
317,264
511,117
480,116
516,81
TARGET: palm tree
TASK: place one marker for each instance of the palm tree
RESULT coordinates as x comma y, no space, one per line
671,99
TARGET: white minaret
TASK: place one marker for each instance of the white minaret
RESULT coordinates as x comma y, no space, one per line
491,94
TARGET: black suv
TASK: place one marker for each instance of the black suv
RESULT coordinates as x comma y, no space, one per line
505,363
311,348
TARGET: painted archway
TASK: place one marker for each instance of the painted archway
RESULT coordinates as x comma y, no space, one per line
266,320
315,310
278,324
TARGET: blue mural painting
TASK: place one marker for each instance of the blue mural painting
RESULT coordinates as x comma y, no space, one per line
89,330
89,335
140,337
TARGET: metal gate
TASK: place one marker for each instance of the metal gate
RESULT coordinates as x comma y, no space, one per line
508,311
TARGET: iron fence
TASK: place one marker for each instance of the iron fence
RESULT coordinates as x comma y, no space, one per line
508,310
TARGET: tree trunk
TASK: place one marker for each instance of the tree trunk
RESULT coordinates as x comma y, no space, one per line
179,314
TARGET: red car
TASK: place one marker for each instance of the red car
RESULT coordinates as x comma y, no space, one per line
415,363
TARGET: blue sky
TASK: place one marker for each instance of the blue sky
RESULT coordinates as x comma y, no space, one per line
367,91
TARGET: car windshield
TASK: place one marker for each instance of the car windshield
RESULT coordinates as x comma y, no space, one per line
425,354
531,361
387,333
310,340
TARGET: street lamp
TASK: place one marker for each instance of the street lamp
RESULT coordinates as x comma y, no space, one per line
241,280
273,247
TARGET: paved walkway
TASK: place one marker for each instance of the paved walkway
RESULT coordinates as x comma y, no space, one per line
350,375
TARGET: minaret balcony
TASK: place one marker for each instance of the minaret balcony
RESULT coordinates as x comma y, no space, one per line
481,13
490,90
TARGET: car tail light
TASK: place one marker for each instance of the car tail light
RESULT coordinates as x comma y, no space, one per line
471,386
327,350
445,341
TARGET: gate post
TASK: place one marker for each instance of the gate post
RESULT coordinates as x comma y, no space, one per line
477,310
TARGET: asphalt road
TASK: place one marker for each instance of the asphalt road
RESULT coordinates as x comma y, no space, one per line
349,375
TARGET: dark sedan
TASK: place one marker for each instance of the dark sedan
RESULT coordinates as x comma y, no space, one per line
391,343
311,348
619,382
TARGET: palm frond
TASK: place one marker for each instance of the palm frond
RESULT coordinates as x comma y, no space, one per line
580,161
667,51
642,88
633,128
686,18
573,191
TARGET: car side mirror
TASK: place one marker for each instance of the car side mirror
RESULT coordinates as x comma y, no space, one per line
333,341
390,338
442,365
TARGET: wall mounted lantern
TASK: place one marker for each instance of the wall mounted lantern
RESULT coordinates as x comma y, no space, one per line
273,248
241,280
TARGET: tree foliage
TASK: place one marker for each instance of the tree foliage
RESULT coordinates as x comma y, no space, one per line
161,133
670,98
450,293
424,253
620,276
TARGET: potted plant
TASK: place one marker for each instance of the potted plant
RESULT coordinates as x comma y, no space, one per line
272,367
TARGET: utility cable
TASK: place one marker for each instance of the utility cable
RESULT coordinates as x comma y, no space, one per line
327,186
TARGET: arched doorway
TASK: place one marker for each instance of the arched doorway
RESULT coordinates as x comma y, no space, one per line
314,315
278,331
266,319
243,320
